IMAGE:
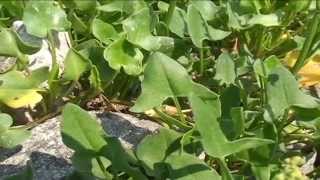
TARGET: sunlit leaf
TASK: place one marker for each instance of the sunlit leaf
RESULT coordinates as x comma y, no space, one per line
199,30
80,131
138,29
265,20
283,92
225,69
207,8
42,16
75,65
104,31
122,54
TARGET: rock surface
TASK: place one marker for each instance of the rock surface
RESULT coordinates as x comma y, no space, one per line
50,158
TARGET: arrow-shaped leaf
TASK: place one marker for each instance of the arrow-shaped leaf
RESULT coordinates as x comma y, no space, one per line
213,139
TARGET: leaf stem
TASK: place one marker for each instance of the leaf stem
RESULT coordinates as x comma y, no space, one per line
103,169
54,68
224,169
171,9
307,46
201,62
178,106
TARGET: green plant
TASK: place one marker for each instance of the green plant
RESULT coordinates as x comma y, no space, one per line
220,60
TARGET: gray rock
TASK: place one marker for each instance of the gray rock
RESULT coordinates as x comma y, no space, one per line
50,158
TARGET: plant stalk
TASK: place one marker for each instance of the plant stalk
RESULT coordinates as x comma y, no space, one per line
307,46
180,113
103,169
201,62
171,9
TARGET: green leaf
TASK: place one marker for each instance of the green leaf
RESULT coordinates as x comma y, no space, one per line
9,43
121,159
95,54
225,69
75,65
138,29
178,23
207,8
42,16
80,131
263,68
199,30
188,167
85,5
122,54
17,90
128,7
283,92
5,122
153,149
160,79
103,31
88,164
212,137
265,20
13,137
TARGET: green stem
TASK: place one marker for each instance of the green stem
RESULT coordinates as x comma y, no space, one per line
103,169
180,113
171,9
70,89
224,169
201,62
54,69
170,121
302,59
259,42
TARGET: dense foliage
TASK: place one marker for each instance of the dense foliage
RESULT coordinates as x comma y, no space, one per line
235,74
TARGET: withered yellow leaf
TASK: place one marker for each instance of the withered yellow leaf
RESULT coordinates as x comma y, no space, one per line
310,73
28,99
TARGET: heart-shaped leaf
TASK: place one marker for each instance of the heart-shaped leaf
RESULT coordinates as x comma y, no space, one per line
138,29
122,54
42,16
80,131
199,29
103,31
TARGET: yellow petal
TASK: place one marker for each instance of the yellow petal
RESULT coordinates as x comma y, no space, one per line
29,99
